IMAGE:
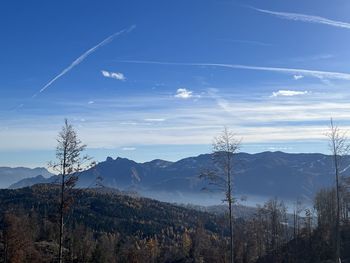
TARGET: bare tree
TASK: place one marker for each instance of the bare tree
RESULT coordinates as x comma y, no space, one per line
69,162
298,208
339,147
225,147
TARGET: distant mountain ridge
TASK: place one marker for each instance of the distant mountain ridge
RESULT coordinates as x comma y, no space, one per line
279,174
31,181
9,176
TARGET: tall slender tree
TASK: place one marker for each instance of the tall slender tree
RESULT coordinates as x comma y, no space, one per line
225,147
339,147
69,162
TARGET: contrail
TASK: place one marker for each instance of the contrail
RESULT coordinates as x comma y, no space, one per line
305,72
305,18
83,57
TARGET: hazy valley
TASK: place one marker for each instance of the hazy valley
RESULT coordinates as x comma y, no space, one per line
258,177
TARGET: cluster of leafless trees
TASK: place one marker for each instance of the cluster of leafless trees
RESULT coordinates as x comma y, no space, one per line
332,205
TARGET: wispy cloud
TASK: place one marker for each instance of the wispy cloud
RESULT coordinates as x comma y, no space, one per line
293,71
128,148
256,118
306,18
313,58
113,75
277,113
132,123
91,102
288,93
154,119
297,77
82,57
249,42
183,93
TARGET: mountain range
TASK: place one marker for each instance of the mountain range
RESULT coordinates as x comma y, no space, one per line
9,176
267,174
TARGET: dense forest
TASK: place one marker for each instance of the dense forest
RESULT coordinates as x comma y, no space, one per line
105,225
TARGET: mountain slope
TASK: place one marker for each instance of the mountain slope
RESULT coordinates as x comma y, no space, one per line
32,181
267,174
105,210
100,223
9,175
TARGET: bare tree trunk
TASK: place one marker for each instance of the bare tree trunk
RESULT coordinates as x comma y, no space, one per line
337,142
68,154
229,197
225,146
231,233
60,251
296,232
337,232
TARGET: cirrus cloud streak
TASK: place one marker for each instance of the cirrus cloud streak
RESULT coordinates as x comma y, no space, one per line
82,57
292,71
306,18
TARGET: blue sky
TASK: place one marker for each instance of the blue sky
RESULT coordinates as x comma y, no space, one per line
159,79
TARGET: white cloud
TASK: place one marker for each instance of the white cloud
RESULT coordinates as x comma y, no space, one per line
297,77
128,148
288,93
105,73
91,102
128,123
306,18
272,148
183,93
113,75
154,119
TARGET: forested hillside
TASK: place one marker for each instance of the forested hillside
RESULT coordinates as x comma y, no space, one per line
104,225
